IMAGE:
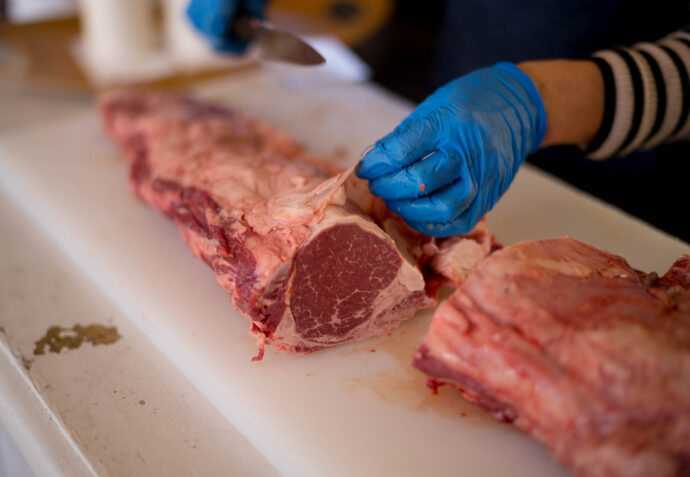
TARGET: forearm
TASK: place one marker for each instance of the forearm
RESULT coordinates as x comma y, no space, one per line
620,100
573,96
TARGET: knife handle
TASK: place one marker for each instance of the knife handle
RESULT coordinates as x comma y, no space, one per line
244,28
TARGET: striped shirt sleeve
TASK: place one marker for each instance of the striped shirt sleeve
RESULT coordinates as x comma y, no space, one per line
647,96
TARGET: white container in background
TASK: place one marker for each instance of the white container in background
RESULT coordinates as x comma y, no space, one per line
121,43
116,32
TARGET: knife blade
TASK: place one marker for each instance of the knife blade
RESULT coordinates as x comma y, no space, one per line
274,44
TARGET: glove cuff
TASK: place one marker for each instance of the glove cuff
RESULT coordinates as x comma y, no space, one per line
534,105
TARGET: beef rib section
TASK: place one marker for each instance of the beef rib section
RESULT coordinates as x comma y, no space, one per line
306,265
577,348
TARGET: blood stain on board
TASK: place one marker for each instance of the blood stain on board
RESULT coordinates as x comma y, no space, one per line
58,337
404,385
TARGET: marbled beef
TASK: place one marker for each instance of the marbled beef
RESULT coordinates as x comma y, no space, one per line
305,263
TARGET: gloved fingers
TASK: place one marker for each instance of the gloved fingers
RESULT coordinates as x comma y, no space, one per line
212,17
441,206
462,224
220,20
196,11
413,139
420,178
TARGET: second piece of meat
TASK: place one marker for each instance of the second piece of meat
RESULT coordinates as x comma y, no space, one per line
575,347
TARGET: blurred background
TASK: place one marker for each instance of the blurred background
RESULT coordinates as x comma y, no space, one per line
55,53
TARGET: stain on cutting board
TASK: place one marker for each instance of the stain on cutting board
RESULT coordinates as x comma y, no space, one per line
57,337
406,386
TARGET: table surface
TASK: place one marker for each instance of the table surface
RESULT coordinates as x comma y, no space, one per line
147,403
122,409
60,408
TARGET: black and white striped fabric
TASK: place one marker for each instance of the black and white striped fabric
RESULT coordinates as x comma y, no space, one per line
647,96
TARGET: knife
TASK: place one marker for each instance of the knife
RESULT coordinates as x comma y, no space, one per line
275,44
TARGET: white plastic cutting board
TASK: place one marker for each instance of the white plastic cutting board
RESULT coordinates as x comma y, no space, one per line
358,409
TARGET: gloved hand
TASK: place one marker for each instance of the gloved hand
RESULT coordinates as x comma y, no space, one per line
214,19
449,161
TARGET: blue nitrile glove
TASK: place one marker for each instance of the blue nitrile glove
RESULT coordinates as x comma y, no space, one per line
449,161
214,18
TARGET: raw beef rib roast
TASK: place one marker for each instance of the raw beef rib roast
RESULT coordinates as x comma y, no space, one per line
578,349
300,259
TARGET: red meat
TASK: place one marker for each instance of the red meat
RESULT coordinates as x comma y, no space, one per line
575,347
